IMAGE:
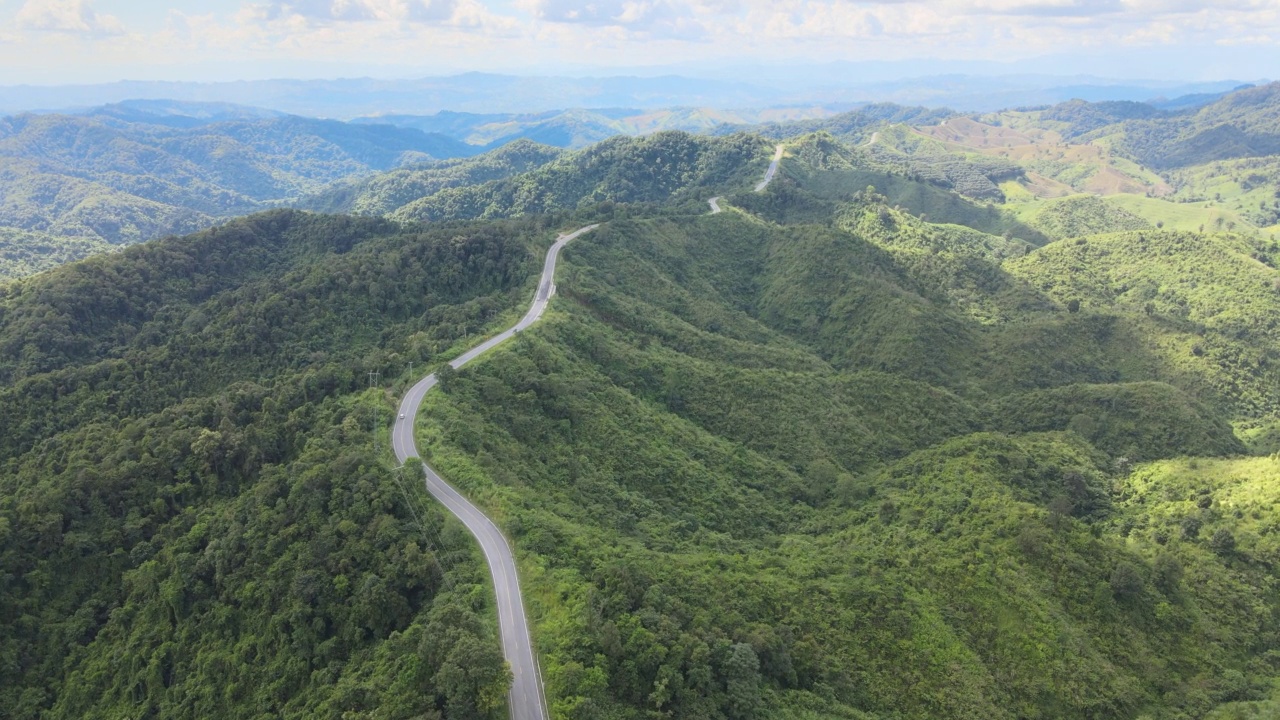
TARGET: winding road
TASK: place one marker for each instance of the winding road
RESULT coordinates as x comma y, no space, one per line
768,177
525,698
773,168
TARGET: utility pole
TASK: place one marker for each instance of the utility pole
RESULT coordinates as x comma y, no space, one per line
373,377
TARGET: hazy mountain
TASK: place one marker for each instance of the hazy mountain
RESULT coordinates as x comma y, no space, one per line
578,128
386,192
832,85
470,92
134,171
178,114
1240,124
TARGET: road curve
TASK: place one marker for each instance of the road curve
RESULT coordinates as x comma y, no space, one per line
773,168
715,204
525,698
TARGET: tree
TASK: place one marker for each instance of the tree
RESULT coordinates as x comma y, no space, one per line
1073,306
473,679
444,375
821,477
1190,527
742,682
1222,542
1125,581
1168,573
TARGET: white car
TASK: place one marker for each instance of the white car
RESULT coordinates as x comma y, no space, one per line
401,416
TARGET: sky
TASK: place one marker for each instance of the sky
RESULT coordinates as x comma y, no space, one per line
89,41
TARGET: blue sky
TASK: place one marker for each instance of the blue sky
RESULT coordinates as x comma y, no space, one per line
73,41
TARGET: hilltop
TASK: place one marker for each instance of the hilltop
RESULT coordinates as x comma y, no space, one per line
660,168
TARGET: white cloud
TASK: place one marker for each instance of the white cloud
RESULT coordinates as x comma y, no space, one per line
66,16
667,19
423,11
521,35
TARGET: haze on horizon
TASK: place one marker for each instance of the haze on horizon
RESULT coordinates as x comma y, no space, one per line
91,41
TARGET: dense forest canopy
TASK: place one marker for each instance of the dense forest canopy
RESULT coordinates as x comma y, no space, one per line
194,476
926,429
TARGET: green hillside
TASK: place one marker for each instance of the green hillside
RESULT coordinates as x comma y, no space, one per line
819,172
1190,216
720,509
195,477
387,192
1080,215
856,447
1248,188
120,176
658,168
25,253
1204,303
1245,123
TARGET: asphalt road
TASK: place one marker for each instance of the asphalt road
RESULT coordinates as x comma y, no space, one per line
525,698
715,204
773,168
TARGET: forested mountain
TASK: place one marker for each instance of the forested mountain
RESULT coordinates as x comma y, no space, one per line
663,167
853,126
855,447
1245,123
121,173
578,128
194,475
386,192
1080,167
175,113
128,173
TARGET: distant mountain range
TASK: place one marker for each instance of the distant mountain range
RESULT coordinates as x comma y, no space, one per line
835,86
578,128
133,171
76,184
